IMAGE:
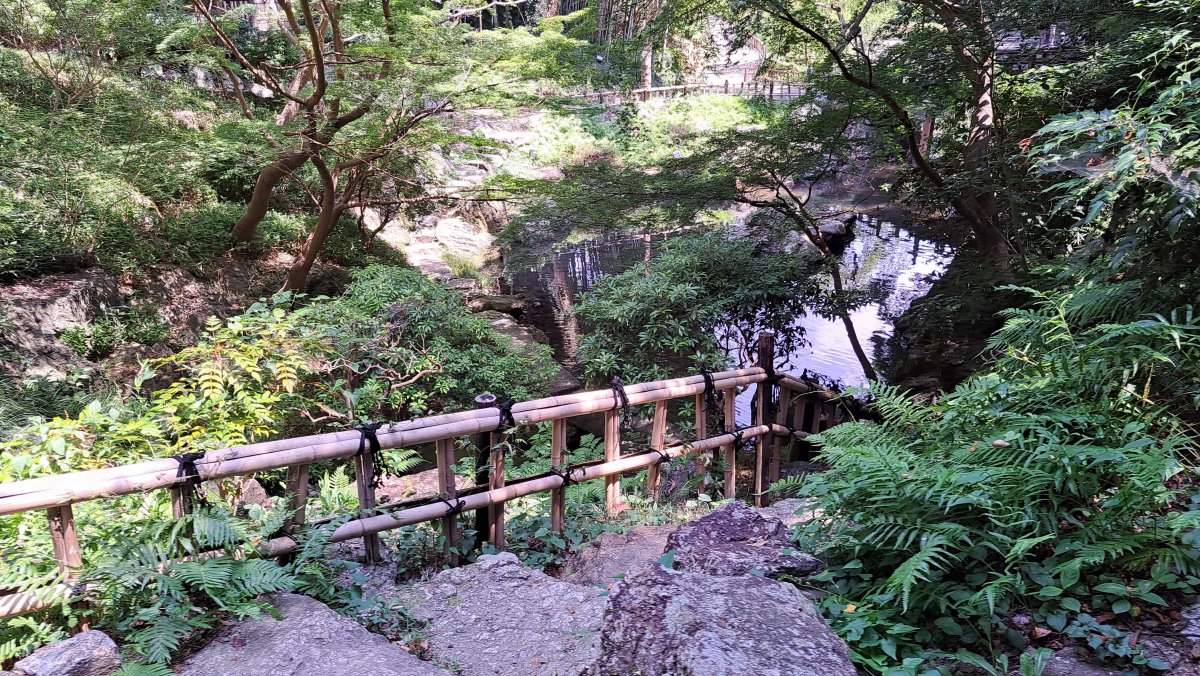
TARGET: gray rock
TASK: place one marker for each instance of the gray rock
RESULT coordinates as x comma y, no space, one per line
311,640
663,621
1066,662
611,556
91,653
37,312
496,616
1192,615
509,305
789,512
735,540
421,484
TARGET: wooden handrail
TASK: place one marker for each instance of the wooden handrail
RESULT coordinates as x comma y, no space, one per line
55,494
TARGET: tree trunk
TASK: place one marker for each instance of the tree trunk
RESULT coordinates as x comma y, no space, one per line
647,66
260,199
981,127
331,211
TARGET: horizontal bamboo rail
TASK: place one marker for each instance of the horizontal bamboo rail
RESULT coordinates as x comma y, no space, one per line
772,90
808,407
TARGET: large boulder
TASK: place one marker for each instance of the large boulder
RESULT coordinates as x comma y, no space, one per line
407,486
91,653
37,312
737,540
613,555
497,616
310,640
662,621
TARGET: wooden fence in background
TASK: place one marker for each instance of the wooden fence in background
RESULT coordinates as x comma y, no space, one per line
772,90
779,422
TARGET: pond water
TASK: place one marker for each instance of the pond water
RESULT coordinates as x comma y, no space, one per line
891,264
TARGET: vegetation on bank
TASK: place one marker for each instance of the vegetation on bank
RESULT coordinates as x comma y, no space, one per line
1049,498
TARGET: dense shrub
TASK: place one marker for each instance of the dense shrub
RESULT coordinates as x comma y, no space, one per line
670,315
1052,485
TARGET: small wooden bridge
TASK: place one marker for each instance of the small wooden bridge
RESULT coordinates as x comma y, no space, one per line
786,411
771,90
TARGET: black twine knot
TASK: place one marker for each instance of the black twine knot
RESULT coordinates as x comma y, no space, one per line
564,474
368,439
507,421
663,456
187,467
737,439
620,399
453,508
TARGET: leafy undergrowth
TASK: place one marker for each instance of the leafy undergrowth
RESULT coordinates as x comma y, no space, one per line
1047,499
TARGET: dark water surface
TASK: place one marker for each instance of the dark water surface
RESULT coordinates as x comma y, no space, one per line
888,263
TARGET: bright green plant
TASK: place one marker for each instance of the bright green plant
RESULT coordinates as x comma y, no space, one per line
1040,486
669,316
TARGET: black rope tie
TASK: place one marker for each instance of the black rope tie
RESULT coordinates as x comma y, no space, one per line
737,439
620,399
453,508
564,474
663,456
187,467
711,396
772,383
368,439
507,421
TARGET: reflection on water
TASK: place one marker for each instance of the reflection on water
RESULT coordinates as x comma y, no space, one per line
884,268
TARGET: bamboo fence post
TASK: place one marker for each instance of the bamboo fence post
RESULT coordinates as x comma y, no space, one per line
297,489
658,439
448,492
364,470
558,457
612,451
798,425
814,425
730,415
482,457
701,429
764,447
496,512
181,500
65,540
781,417
771,90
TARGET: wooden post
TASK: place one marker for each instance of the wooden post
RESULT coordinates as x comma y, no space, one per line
364,469
448,491
658,440
297,489
65,540
765,445
67,555
781,417
798,425
727,86
612,451
771,90
496,512
558,460
814,425
181,500
701,429
483,444
730,415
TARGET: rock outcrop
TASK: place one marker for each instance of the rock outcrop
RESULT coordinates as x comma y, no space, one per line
498,617
662,621
35,313
613,555
311,640
91,653
738,540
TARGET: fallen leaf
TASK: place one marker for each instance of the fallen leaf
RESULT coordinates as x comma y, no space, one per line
851,608
1041,632
238,642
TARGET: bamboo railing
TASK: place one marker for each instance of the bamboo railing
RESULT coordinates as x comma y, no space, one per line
772,90
801,408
